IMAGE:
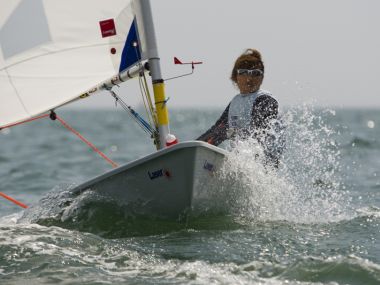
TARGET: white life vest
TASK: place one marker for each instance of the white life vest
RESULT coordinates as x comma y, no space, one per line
240,111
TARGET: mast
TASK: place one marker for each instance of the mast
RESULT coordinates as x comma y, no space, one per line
147,34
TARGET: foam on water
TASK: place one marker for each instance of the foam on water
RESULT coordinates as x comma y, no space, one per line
307,187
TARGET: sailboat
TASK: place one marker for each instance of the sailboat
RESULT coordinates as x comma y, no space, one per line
54,53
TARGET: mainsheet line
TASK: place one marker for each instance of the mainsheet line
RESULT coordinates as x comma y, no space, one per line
18,203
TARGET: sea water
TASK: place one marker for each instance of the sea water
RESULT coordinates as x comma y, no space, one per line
315,220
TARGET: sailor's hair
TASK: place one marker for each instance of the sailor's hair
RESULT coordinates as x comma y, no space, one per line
253,53
249,59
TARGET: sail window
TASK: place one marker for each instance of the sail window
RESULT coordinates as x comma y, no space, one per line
131,52
22,31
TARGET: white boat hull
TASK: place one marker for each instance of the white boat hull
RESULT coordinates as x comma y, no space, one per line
167,183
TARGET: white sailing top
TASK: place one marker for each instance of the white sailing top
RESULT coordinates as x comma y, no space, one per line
240,110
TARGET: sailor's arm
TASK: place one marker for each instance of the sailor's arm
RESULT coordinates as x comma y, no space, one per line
218,132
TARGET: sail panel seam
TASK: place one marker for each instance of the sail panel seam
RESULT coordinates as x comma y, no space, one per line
17,93
55,52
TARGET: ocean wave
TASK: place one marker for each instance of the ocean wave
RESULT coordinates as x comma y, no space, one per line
32,251
369,212
339,269
45,251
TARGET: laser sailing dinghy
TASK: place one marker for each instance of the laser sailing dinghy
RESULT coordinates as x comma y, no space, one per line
56,52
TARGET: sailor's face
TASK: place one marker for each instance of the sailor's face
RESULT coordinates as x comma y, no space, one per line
248,83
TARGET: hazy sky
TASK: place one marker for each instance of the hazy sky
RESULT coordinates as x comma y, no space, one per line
326,50
321,51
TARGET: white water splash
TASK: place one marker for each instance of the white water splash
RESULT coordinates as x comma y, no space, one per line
306,188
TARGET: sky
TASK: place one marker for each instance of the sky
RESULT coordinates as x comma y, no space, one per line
324,52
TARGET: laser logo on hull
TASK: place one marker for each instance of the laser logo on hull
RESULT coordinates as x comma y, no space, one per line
208,166
155,174
159,173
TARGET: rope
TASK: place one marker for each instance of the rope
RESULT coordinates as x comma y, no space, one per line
149,99
93,147
144,89
144,98
54,116
140,121
140,84
26,121
18,203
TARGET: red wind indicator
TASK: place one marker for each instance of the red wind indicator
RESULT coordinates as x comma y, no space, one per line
177,61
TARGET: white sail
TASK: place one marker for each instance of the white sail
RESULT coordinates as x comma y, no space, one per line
52,51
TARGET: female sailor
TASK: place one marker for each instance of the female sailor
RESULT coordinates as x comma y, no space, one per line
252,113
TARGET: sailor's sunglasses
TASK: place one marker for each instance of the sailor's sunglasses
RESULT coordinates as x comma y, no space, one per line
251,72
